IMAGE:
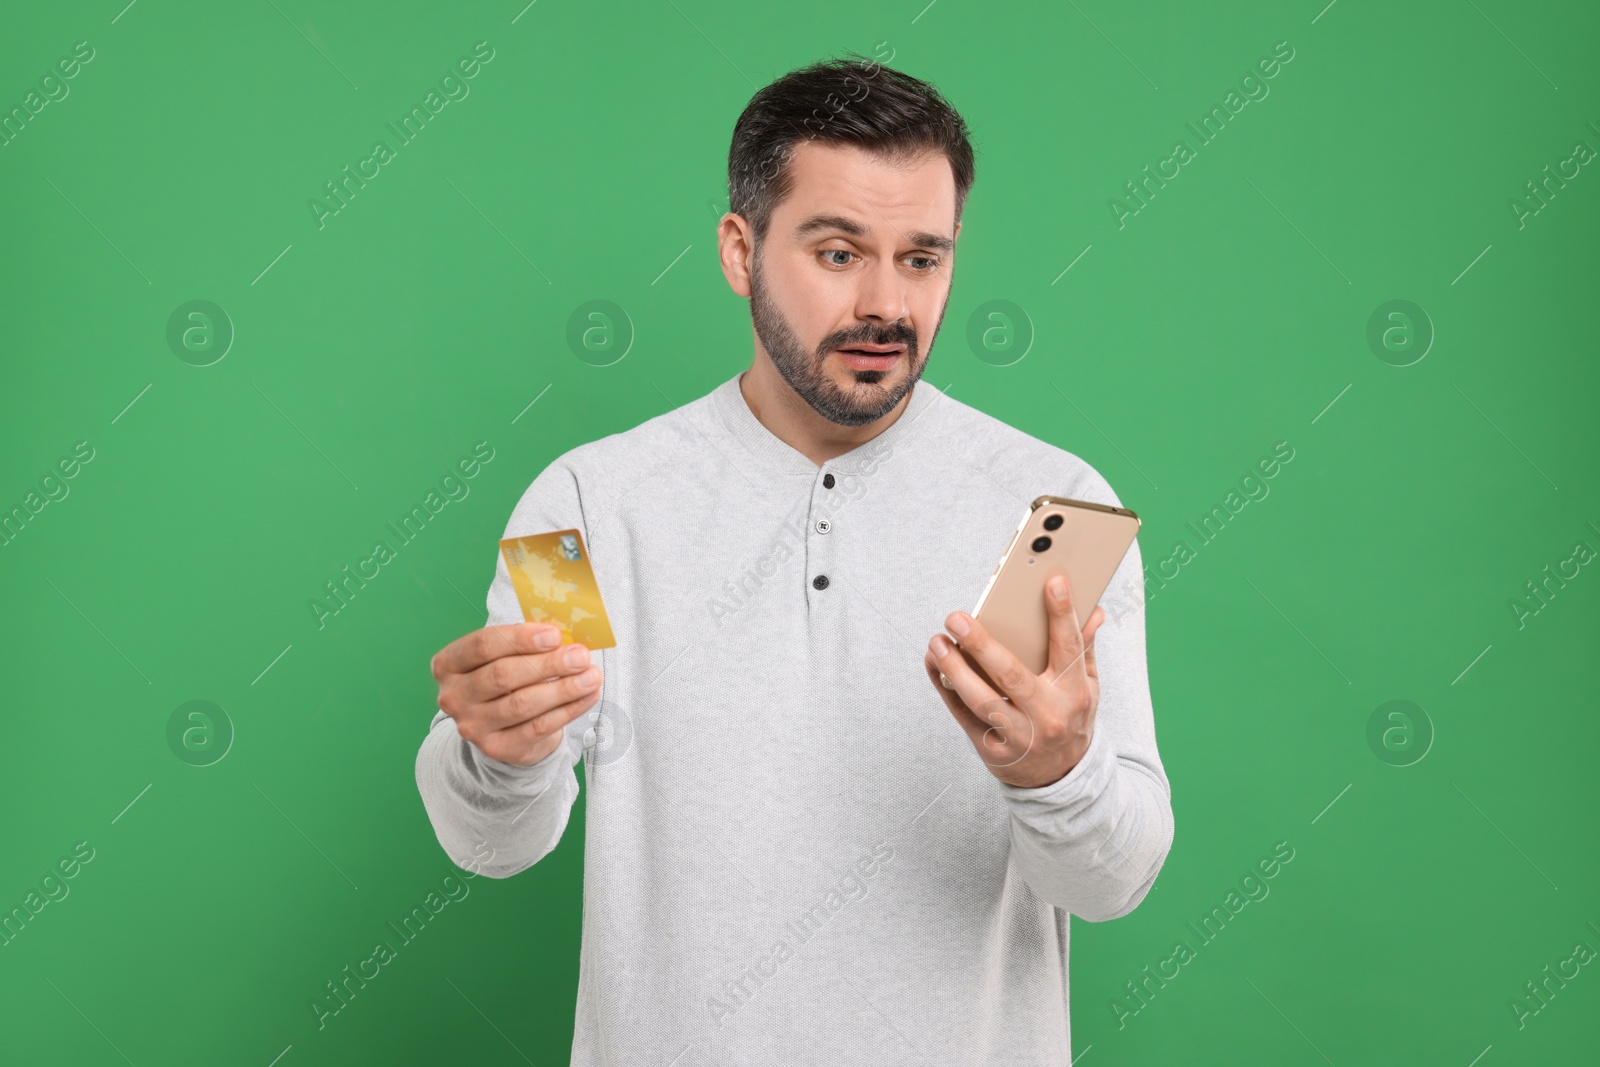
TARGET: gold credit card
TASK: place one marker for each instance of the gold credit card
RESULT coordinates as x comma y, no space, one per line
555,584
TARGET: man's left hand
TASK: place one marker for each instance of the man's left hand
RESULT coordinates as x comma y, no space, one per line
1037,736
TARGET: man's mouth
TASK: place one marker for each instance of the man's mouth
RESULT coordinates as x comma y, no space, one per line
871,357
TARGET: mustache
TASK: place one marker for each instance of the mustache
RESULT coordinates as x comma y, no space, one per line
903,335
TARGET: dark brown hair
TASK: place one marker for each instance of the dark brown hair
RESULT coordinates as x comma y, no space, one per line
853,101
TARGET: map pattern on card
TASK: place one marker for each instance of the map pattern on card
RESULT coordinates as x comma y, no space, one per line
555,584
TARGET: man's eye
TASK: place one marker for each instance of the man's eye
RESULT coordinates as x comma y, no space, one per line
836,252
932,264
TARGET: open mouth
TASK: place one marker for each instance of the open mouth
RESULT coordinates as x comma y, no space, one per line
871,357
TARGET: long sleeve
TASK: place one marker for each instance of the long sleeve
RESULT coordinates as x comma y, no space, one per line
1093,842
493,817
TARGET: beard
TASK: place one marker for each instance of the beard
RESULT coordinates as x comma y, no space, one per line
869,400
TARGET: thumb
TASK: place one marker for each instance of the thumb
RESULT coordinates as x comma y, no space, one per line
1066,641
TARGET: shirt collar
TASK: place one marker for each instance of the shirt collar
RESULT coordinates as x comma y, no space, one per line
772,451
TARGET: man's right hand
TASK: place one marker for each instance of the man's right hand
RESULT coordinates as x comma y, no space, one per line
512,690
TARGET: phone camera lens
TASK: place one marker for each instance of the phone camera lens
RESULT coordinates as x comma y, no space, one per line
1053,522
1041,543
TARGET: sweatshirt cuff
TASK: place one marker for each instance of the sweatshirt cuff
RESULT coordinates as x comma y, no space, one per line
1078,788
515,775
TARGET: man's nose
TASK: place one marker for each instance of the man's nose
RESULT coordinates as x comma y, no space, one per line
882,295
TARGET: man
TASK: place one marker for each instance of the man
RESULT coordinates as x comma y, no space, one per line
794,856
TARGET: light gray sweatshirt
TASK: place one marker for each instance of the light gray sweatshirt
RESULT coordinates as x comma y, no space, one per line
794,855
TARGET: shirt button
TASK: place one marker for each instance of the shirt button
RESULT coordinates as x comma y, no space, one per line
823,526
820,582
827,481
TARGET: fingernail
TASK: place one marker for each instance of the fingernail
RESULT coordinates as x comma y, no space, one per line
547,639
576,655
959,625
1058,587
941,646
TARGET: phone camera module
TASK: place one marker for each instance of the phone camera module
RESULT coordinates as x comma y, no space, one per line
1040,544
1053,522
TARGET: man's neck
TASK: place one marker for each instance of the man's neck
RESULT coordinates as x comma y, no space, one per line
782,411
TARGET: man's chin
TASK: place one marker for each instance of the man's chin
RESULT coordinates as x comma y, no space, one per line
860,398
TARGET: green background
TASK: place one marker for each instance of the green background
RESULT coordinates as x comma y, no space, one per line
588,163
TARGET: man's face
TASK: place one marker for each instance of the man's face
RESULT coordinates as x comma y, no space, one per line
860,253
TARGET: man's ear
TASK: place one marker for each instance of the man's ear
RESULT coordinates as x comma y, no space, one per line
734,245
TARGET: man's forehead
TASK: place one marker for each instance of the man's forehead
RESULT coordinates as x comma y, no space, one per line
846,189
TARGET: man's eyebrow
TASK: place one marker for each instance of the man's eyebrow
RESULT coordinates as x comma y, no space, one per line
932,241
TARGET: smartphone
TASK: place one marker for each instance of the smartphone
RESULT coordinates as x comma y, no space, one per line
1084,541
